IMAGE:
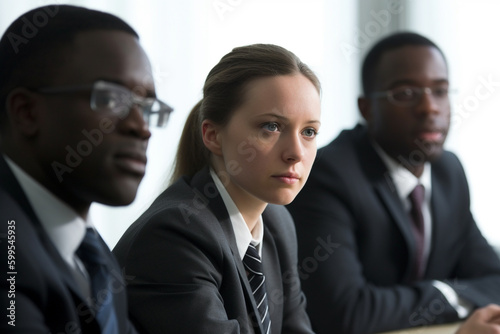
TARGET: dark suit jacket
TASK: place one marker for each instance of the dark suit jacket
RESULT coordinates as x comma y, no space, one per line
185,272
364,285
46,297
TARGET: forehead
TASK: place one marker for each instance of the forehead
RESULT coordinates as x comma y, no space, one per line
288,96
110,55
278,91
419,65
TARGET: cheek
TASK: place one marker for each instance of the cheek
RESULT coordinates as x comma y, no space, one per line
310,155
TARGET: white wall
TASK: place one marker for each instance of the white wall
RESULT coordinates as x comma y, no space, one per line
185,39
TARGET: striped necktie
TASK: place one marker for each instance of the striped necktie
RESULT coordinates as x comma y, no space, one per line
257,281
91,254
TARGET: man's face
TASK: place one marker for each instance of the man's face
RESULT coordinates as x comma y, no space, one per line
88,156
413,133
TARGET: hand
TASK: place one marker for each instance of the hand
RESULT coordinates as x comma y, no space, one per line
485,320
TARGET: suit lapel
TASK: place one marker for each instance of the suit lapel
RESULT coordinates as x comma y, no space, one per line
203,181
274,279
9,182
438,203
377,173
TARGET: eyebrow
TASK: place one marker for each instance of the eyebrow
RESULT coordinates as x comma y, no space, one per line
149,92
284,118
414,83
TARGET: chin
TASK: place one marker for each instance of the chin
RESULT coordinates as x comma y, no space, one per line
283,199
120,196
435,154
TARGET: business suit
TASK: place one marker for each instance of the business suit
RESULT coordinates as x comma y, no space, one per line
47,298
186,275
365,286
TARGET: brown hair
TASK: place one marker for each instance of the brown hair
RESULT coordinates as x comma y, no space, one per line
223,93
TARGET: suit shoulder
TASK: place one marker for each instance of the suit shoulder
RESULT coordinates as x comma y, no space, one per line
279,220
343,146
180,210
448,163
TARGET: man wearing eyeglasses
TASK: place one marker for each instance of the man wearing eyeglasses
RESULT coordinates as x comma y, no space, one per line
76,101
395,205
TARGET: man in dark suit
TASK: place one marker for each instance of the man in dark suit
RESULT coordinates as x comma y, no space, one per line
400,261
72,133
186,272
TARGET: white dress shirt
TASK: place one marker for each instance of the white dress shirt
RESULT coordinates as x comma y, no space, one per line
405,182
65,228
242,233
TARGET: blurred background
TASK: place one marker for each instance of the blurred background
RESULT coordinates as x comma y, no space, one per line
185,39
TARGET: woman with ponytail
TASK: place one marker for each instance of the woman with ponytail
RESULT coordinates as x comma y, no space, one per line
216,252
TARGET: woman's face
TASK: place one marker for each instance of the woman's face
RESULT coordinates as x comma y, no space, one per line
268,147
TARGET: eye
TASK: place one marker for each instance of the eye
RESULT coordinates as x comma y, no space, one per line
106,99
112,100
271,126
310,132
404,94
440,91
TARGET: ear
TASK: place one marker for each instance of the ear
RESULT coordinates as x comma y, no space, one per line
364,107
22,112
210,135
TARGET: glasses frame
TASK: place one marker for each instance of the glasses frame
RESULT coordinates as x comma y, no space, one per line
132,99
389,94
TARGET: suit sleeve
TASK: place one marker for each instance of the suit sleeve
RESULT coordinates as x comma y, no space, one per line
477,271
340,296
173,272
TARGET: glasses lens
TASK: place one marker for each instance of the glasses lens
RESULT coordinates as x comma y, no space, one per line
111,99
440,92
405,95
117,100
158,113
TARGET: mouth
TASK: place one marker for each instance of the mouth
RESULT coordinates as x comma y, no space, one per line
436,136
132,162
287,178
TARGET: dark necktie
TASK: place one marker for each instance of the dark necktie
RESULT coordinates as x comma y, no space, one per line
416,199
257,282
91,254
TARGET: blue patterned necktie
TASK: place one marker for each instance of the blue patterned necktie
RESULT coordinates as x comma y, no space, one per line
257,281
92,255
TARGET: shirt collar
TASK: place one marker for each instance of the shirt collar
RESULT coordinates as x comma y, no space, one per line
65,228
403,179
241,232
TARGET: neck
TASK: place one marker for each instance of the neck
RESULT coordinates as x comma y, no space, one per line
36,172
250,207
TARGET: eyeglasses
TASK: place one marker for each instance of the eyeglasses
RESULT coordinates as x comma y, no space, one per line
113,99
411,96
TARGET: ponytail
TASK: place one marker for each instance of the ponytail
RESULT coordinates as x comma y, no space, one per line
192,155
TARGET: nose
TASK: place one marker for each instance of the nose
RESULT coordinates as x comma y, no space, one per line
134,124
293,151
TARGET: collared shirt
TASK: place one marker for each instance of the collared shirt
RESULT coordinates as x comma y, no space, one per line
405,182
65,228
242,233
